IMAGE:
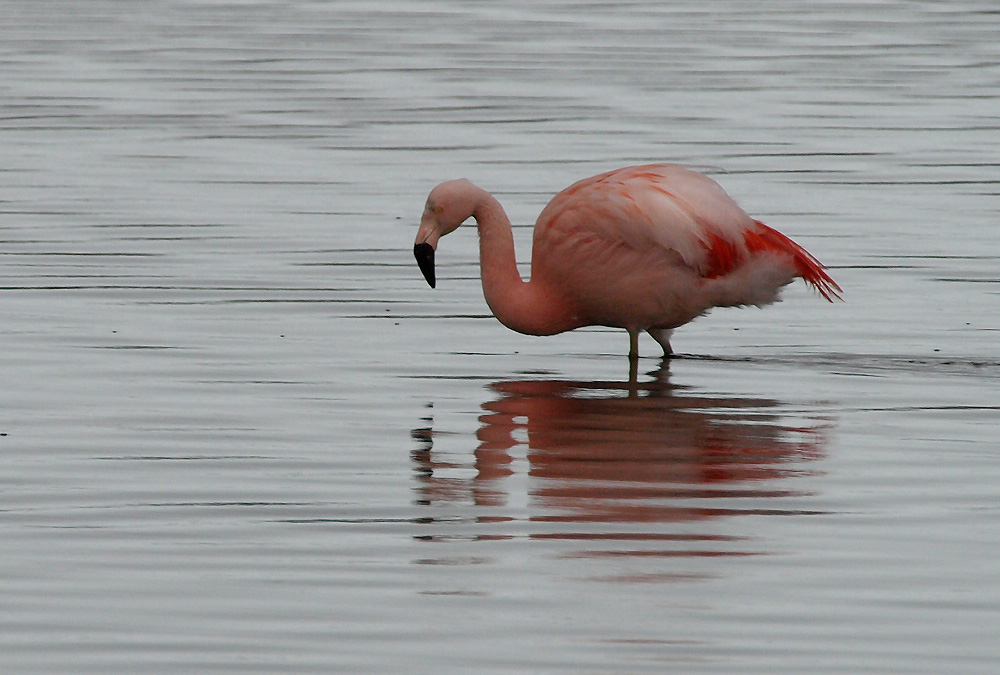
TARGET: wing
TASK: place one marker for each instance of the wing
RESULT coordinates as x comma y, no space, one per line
676,210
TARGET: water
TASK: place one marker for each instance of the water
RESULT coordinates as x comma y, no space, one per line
239,433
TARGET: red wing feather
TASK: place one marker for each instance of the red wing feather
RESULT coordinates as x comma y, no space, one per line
723,256
810,269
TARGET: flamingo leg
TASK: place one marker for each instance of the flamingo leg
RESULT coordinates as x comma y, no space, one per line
633,344
662,336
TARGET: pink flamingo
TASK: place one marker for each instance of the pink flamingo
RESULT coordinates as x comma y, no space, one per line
644,248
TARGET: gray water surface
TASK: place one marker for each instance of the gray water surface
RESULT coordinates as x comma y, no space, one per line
238,433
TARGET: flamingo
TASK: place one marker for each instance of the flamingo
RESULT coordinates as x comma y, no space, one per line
644,248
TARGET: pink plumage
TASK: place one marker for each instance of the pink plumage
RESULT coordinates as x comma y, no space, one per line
644,248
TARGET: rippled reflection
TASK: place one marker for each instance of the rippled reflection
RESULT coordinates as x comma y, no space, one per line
605,459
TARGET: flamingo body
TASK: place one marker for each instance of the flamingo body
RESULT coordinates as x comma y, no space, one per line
644,248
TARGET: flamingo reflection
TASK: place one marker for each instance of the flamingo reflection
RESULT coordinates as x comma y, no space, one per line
626,452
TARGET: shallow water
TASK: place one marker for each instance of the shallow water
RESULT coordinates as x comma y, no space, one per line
239,433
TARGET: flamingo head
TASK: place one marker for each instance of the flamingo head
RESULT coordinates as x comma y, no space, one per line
449,205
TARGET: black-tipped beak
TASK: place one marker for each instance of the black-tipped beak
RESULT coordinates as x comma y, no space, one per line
424,253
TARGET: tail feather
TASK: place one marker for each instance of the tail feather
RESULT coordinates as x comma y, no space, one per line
809,268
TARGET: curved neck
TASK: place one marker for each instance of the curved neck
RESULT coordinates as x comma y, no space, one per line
520,305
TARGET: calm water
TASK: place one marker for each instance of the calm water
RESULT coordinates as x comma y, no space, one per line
239,433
